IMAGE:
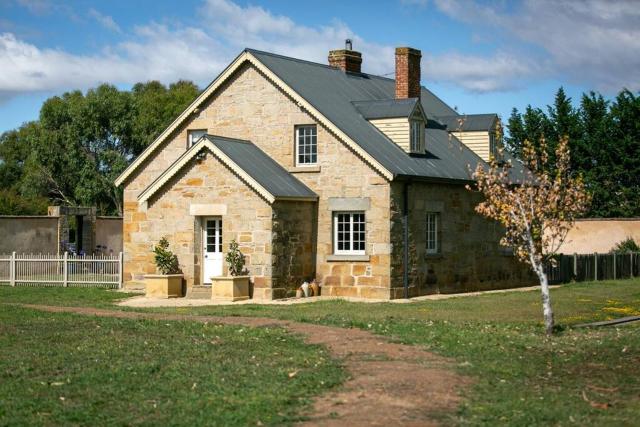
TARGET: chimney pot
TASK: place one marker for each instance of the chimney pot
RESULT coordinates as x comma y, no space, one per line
347,60
408,72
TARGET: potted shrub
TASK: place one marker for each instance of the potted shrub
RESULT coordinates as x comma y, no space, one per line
168,283
235,286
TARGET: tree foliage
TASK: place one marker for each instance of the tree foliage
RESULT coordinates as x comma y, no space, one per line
537,212
81,142
626,246
604,138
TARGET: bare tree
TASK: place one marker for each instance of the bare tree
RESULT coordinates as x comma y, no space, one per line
536,211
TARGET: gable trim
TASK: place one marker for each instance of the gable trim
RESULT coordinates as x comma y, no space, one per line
183,160
247,56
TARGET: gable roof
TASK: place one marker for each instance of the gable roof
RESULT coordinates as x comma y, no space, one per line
469,122
326,93
251,164
386,108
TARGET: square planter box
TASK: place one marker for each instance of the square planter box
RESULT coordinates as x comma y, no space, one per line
163,285
230,288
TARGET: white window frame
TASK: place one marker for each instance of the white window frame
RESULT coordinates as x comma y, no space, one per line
415,136
349,251
191,133
297,145
432,244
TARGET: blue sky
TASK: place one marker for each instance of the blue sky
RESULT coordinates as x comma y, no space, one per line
480,56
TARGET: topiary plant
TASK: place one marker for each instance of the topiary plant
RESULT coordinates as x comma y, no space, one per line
235,259
166,261
626,246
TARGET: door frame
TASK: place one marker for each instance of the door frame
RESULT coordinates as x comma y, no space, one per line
203,243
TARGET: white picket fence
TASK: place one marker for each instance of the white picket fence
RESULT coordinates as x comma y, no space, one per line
61,270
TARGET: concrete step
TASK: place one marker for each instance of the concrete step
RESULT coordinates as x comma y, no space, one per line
199,292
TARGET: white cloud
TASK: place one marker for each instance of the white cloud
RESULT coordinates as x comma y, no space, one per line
499,72
199,52
38,7
105,20
593,42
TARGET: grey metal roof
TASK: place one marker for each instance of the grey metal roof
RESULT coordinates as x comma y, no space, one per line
386,108
332,91
468,122
259,166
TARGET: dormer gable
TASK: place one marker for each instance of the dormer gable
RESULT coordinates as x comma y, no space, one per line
403,121
476,131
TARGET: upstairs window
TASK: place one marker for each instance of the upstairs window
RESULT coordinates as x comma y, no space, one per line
493,147
306,145
349,233
415,137
433,218
194,135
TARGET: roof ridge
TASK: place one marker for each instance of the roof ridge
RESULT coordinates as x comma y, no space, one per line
319,64
226,138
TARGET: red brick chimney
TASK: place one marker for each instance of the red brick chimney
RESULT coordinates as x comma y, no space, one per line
407,72
346,59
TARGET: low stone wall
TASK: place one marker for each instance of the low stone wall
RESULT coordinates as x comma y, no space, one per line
43,234
29,234
599,235
109,234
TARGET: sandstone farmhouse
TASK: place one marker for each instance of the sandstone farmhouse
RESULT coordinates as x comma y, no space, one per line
319,171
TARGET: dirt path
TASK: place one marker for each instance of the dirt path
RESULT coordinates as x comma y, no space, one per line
390,384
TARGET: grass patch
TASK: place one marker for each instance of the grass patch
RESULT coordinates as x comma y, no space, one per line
81,297
66,369
580,376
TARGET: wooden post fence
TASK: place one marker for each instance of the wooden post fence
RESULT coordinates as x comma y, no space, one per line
12,270
64,270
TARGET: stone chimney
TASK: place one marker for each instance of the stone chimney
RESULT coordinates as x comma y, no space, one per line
407,72
346,59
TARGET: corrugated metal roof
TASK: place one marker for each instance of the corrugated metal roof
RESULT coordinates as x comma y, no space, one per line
385,108
259,166
332,92
468,122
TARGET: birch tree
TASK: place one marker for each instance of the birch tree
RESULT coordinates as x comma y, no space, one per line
536,212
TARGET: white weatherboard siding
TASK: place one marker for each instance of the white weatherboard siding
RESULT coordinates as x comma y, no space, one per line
478,142
396,130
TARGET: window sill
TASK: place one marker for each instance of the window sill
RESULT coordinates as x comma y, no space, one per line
304,169
364,258
433,256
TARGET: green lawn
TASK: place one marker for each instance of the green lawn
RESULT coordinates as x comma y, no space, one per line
62,369
580,376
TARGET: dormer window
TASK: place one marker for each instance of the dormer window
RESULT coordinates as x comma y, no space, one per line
416,135
194,135
306,145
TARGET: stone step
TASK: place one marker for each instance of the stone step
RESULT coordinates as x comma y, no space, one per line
199,292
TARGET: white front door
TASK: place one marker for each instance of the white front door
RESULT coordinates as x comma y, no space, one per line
212,248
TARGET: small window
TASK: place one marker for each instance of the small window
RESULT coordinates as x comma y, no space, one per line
416,136
194,135
433,218
493,148
306,145
349,233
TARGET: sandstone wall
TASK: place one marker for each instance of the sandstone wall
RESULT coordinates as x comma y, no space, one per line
207,181
470,256
293,255
251,107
